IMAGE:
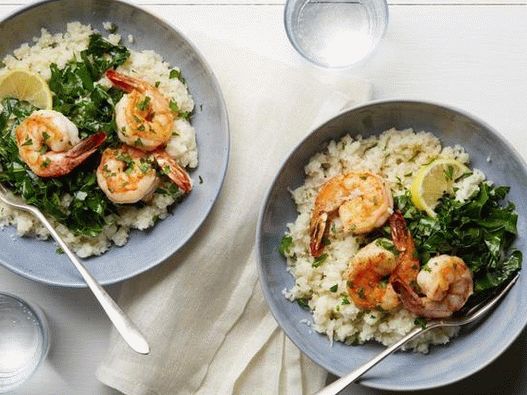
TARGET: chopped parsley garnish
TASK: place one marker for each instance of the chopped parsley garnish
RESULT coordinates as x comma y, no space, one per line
319,260
344,300
45,163
334,288
27,142
174,73
420,321
173,106
144,167
143,104
285,245
387,244
449,173
304,303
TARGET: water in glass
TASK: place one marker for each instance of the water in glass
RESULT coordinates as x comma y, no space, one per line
335,33
23,341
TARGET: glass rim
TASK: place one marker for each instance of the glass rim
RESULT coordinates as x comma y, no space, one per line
290,36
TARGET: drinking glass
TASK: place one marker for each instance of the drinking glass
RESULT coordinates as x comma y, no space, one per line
24,340
335,33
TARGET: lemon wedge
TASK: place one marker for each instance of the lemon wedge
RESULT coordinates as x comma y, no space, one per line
432,181
26,85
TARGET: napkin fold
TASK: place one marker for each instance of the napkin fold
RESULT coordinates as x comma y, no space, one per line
203,312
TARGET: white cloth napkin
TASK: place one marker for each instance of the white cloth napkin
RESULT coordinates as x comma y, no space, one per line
203,312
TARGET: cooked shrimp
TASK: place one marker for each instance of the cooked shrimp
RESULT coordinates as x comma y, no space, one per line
49,144
439,289
368,275
361,199
143,115
127,175
173,170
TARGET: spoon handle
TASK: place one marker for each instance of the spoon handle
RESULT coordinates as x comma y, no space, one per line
126,328
338,385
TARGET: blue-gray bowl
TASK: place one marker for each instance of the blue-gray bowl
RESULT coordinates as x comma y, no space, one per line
476,346
37,259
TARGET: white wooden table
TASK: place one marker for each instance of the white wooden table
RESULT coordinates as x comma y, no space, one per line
467,53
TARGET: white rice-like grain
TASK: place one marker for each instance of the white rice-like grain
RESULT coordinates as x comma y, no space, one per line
147,65
396,156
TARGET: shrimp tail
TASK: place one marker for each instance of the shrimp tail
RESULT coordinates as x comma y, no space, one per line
173,170
401,236
122,81
63,163
418,305
411,301
87,146
317,232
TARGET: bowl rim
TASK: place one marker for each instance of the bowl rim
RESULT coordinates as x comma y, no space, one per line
266,289
222,170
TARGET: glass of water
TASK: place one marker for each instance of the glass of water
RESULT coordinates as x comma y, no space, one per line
335,33
24,340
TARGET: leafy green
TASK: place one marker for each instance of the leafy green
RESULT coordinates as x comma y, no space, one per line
74,200
480,231
82,217
285,245
334,288
89,105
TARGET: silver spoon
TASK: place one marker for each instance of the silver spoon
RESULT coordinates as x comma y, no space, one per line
474,313
126,328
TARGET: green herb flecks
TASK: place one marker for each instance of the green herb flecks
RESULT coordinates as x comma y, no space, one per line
90,106
285,245
176,74
319,260
304,303
143,104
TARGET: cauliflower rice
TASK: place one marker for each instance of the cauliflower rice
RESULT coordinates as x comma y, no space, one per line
147,65
395,155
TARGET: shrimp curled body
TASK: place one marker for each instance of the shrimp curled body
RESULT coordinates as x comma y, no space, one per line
368,273
361,199
128,175
437,290
49,143
143,115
